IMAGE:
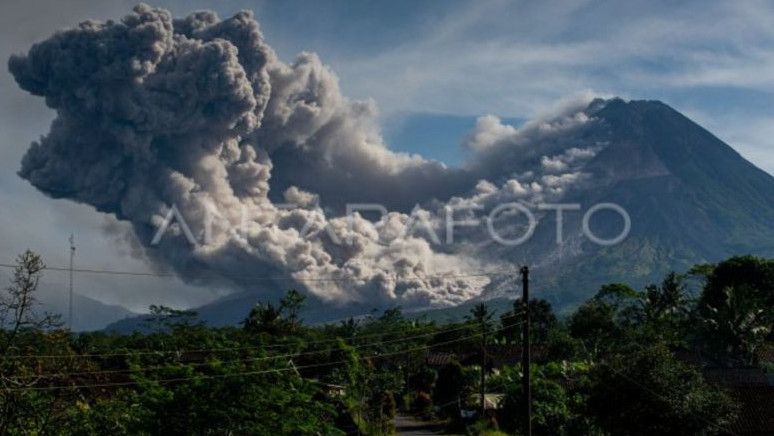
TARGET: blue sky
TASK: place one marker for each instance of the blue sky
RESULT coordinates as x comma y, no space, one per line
713,61
432,67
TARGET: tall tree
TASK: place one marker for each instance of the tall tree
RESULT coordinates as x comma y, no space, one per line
277,320
735,328
736,308
291,304
666,309
22,327
752,272
265,318
19,304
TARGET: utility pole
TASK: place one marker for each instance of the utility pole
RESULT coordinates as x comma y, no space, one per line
525,358
483,368
70,306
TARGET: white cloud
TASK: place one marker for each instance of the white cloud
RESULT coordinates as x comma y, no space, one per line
489,131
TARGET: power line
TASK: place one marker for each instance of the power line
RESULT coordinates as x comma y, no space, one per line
251,359
224,349
213,376
449,274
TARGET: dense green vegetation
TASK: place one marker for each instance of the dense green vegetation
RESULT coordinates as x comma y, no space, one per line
609,368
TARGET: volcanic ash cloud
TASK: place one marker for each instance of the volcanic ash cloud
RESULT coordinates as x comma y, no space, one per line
200,114
154,112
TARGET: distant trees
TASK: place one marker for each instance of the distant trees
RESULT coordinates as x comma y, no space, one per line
641,392
52,382
666,310
163,318
736,308
609,368
669,300
265,318
291,304
593,323
481,316
276,320
282,403
649,392
751,272
618,314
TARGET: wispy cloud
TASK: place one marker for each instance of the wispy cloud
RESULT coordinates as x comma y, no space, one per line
491,57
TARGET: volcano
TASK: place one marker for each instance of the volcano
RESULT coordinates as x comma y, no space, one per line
691,199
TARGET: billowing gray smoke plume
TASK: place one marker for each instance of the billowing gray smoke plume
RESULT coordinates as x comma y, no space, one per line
199,113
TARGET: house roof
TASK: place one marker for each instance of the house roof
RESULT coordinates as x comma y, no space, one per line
766,353
756,412
736,376
754,391
441,359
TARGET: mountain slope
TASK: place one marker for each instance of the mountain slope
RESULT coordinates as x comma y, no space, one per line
88,313
691,198
722,188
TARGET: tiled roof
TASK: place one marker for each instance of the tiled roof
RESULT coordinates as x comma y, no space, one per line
766,353
754,392
736,376
756,413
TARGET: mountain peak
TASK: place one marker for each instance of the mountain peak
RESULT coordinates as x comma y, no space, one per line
617,106
701,176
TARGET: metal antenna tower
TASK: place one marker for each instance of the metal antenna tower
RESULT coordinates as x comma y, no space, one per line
70,306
